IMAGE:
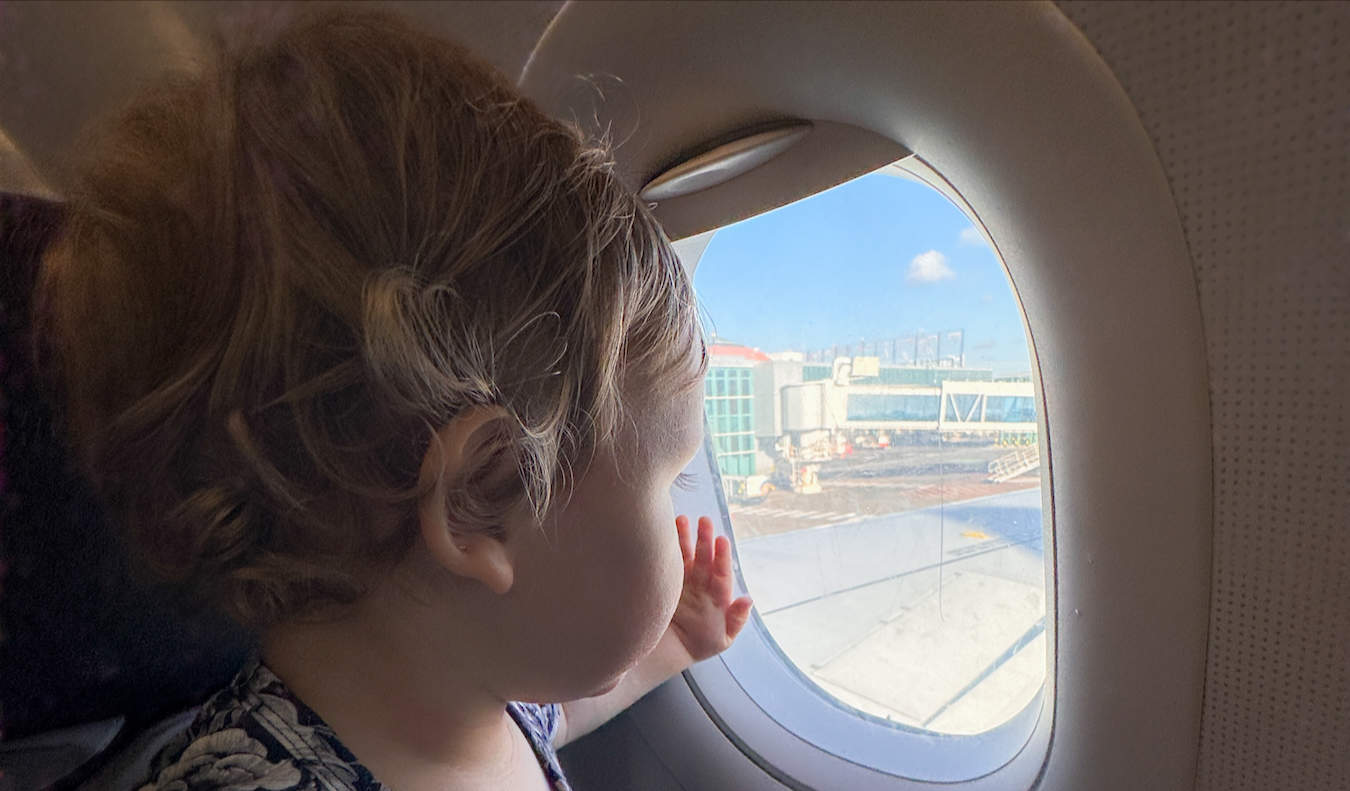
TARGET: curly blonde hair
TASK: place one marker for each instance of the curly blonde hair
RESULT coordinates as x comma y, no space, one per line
281,272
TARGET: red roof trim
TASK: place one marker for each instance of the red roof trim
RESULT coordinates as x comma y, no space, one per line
735,350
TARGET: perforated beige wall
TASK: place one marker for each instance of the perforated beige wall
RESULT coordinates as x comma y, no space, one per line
1248,105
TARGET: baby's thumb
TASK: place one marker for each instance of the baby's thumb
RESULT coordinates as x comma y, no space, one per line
737,614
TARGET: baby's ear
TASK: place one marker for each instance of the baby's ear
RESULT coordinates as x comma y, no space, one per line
472,483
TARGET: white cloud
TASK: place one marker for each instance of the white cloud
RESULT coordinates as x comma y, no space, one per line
971,235
929,267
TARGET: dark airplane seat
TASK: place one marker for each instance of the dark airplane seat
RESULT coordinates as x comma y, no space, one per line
88,658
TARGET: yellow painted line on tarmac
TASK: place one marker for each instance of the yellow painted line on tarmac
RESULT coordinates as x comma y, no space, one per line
975,534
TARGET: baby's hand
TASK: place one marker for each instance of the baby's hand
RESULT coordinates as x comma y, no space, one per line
706,620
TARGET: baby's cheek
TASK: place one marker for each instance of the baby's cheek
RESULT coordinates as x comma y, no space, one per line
673,572
663,574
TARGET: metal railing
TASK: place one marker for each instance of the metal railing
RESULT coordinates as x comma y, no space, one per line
1020,461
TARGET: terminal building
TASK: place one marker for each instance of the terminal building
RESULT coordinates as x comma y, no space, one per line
763,408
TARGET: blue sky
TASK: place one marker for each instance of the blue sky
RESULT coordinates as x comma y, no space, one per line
876,258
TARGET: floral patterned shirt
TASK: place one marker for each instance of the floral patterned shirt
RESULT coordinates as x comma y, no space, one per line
255,734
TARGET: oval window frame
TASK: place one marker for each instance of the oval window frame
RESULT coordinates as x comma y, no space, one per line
755,688
1051,154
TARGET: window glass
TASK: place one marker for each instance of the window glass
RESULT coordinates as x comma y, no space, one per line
873,415
884,407
961,407
1010,409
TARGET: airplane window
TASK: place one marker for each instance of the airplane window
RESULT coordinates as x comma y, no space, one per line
872,413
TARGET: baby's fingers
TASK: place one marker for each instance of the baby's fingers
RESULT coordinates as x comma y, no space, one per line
703,550
722,558
686,540
719,582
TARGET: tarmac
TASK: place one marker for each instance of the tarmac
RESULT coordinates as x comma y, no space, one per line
932,617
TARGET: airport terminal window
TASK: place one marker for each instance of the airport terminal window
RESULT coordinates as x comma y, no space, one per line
862,406
1010,409
872,411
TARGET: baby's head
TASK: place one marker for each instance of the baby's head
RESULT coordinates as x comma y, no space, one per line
343,305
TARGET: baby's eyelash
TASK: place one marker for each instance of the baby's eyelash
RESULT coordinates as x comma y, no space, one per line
686,481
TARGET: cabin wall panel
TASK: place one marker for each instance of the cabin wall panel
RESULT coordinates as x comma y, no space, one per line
1248,105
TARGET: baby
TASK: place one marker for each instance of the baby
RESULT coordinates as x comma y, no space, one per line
369,353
